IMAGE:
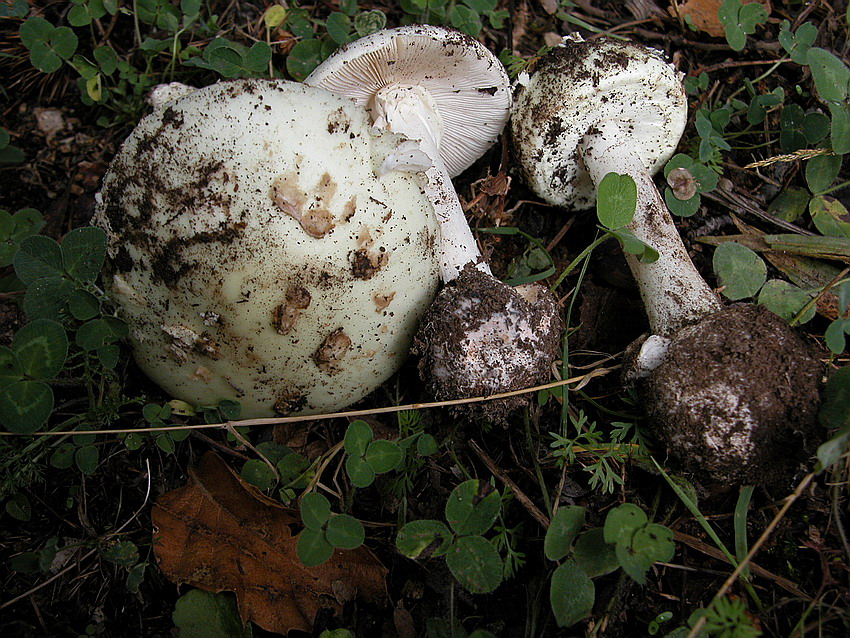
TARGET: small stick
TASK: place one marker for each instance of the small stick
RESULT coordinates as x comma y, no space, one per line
535,512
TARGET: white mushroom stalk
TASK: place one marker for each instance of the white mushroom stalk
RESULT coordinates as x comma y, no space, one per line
450,97
412,112
673,291
592,108
440,88
731,393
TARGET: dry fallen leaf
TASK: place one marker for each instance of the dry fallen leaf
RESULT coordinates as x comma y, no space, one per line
703,15
220,534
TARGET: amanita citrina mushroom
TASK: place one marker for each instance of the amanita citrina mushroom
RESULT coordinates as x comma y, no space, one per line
450,96
732,393
257,254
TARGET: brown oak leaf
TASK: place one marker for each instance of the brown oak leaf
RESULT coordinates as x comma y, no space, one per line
220,534
703,14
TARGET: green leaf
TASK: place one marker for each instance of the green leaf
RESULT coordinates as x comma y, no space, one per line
97,333
840,127
790,204
37,257
230,409
19,508
339,27
821,172
654,542
35,30
815,127
424,538
165,443
257,58
345,532
594,555
258,474
634,564
786,300
135,577
835,408
133,441
315,511
833,336
369,22
571,594
107,59
292,466
472,507
46,297
621,523
122,553
563,529
739,269
274,452
10,367
830,74
48,45
476,564
303,58
833,449
313,548
735,37
83,252
466,20
634,246
358,436
42,347
83,305
616,201
25,563
383,455
202,614
359,471
63,457
426,445
87,458
751,15
681,207
28,222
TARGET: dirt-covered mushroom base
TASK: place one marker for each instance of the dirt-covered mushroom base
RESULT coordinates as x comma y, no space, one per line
730,410
482,337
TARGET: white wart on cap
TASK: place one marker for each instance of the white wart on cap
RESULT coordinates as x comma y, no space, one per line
575,86
468,85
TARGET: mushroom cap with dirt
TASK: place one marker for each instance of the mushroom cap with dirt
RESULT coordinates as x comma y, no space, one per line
451,97
601,106
256,254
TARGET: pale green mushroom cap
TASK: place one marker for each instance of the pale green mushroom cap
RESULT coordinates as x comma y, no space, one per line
257,255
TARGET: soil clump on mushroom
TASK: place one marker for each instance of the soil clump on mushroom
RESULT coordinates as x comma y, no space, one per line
465,347
739,410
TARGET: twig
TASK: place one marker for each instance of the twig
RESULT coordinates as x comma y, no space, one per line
535,512
88,554
727,584
582,379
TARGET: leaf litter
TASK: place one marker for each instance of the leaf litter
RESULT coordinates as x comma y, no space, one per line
218,533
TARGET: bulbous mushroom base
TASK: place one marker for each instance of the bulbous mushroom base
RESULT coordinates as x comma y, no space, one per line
482,337
735,400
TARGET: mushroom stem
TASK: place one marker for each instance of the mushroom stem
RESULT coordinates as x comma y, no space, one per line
411,111
673,292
